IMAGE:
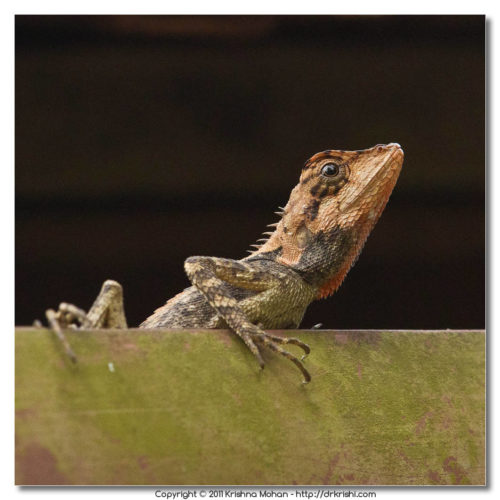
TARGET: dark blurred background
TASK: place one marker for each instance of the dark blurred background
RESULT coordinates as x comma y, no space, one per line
142,140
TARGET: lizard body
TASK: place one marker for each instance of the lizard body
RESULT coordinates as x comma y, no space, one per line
323,227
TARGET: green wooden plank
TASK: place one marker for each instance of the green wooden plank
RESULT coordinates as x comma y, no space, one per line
192,407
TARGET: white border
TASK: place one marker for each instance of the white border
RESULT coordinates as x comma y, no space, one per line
9,8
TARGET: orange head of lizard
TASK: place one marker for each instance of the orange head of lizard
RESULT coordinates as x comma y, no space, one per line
330,213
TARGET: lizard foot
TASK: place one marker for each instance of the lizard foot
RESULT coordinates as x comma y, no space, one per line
293,341
272,342
67,316
106,312
57,321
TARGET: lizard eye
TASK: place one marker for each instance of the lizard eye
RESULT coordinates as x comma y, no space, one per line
330,170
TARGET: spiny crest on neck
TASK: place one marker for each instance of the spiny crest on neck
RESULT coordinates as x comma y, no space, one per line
262,241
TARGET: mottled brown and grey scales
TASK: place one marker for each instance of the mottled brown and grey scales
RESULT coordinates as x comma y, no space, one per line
323,227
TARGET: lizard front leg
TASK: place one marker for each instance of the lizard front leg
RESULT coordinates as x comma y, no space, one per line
211,276
107,311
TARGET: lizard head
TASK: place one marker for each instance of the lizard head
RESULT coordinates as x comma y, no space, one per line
338,188
330,213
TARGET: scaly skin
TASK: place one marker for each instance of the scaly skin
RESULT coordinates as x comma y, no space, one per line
323,227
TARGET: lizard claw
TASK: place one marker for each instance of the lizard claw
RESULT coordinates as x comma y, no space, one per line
261,362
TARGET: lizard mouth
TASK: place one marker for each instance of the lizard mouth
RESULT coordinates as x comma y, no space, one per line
397,152
382,176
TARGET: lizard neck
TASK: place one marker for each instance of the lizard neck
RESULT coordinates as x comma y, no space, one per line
329,255
321,254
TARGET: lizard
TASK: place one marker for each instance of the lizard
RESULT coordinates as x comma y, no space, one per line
321,232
